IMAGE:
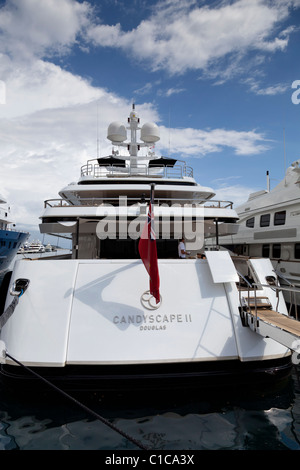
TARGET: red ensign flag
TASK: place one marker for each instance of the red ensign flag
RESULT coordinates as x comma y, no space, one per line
148,253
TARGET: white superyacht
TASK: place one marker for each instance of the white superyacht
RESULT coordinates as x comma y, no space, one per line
269,227
90,321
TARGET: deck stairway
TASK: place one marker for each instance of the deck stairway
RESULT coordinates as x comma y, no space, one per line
258,302
257,314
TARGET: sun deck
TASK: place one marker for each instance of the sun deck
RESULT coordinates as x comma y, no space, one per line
158,168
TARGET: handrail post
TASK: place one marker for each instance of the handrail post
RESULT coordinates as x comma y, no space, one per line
255,306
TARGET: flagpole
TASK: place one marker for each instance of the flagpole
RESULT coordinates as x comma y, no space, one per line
148,251
152,193
152,208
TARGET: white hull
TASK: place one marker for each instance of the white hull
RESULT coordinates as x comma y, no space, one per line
94,315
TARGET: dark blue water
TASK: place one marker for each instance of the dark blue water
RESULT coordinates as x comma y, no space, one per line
236,420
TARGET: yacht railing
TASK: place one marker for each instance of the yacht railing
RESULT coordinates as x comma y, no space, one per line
292,291
277,288
178,171
116,201
274,285
8,229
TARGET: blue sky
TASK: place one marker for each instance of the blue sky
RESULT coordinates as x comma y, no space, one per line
216,76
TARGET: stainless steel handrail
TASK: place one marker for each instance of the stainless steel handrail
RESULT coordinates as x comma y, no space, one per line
292,293
277,288
177,171
135,200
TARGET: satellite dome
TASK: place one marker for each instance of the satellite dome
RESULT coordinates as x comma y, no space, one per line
150,132
116,132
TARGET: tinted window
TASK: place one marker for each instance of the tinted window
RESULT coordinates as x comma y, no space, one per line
276,251
297,250
279,218
266,251
265,220
250,222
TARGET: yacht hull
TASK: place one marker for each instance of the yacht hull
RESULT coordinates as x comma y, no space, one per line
150,378
10,242
89,322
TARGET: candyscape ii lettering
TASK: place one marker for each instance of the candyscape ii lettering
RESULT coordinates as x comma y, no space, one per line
152,319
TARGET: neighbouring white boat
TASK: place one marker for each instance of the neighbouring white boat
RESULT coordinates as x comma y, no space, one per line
10,238
269,227
91,321
34,247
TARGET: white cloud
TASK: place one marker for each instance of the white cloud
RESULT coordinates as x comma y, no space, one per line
237,194
197,142
258,89
42,85
181,36
31,28
173,91
42,152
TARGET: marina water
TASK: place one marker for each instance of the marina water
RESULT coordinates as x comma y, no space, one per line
219,419
214,419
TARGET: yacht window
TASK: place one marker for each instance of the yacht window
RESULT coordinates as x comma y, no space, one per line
265,251
265,220
297,250
276,250
279,218
128,249
250,222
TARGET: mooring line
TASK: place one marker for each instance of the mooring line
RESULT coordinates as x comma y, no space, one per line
88,410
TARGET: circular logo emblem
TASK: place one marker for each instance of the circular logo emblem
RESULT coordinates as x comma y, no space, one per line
149,302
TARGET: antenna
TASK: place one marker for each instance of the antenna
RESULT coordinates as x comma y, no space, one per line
169,135
284,156
97,130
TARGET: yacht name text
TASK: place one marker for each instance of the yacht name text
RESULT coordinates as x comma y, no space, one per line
152,321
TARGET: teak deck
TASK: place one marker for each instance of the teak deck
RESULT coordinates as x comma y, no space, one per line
279,320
